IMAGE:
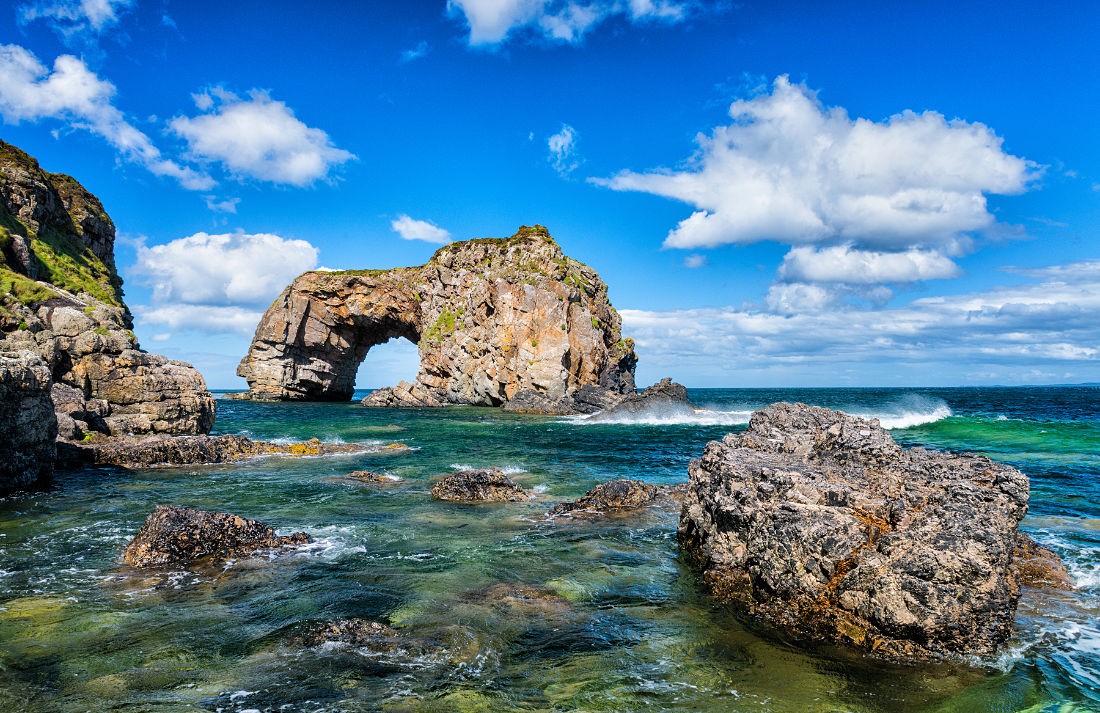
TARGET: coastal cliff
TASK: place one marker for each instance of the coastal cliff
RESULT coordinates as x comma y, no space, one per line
492,318
61,299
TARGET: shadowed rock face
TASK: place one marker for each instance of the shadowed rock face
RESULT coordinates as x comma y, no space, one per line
822,525
491,317
28,426
174,535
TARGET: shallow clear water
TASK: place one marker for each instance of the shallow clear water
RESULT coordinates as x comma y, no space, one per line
630,632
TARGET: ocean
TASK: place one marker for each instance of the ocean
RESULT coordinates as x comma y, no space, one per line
625,626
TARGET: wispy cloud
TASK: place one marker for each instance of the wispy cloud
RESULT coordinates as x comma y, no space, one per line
415,53
73,94
412,229
74,18
225,205
218,282
1049,323
563,150
257,138
492,22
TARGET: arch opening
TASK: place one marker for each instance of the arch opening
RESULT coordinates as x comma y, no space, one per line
387,363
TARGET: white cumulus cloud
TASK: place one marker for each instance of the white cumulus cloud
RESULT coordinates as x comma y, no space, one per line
73,94
412,229
791,170
492,22
563,150
845,264
259,138
218,282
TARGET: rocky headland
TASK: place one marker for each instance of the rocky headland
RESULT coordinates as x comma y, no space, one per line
823,526
61,299
492,319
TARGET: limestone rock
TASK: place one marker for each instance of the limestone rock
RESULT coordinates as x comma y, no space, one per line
821,524
179,536
28,426
478,486
612,496
491,317
61,297
664,399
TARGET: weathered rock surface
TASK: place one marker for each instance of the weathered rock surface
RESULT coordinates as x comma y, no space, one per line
491,318
61,298
664,399
478,486
821,524
610,497
179,536
28,426
1038,566
162,450
372,478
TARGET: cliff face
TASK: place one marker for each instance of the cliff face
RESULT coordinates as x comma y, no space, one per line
26,421
491,317
61,298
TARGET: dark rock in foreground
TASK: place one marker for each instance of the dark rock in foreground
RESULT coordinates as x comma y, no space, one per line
479,486
822,525
28,426
178,536
147,452
609,497
664,399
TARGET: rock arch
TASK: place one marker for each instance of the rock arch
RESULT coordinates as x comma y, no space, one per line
490,317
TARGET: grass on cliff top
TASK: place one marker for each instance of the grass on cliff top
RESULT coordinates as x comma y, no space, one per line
15,156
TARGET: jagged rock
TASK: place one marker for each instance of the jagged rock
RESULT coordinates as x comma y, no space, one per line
491,317
162,450
61,297
178,536
664,399
587,399
1038,566
609,497
28,426
819,523
478,486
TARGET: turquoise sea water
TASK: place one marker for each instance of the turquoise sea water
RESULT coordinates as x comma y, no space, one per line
629,629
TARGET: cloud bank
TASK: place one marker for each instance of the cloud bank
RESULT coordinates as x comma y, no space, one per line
492,22
218,283
73,94
258,138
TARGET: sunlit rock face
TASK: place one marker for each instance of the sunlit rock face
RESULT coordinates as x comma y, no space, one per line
61,298
491,318
819,523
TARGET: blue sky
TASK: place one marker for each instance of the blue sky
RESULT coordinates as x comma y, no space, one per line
779,193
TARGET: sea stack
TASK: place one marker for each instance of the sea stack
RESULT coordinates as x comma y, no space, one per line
822,525
492,318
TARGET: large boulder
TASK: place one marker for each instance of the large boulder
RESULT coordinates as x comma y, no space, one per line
491,318
61,298
28,426
180,536
610,497
478,486
665,399
819,523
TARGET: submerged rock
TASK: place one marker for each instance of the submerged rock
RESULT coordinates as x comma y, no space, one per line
490,317
150,451
178,536
369,476
822,525
360,633
28,425
612,496
479,486
519,598
664,399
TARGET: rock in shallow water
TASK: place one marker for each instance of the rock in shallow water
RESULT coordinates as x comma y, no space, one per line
28,426
612,496
479,486
664,399
822,525
178,536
